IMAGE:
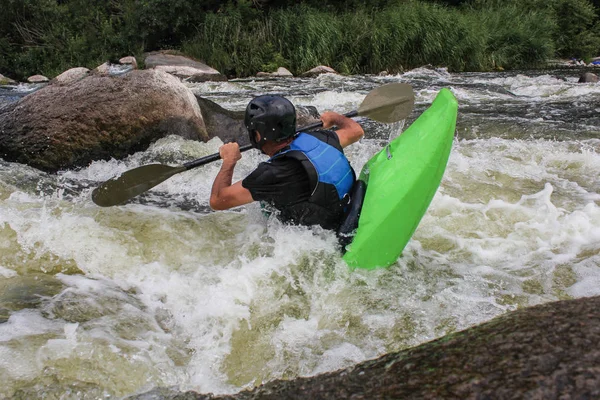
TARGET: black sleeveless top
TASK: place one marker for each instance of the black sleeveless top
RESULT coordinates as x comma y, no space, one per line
284,184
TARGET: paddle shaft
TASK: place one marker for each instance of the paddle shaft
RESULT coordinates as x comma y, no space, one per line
214,157
210,158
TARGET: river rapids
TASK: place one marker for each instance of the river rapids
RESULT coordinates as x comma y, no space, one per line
109,302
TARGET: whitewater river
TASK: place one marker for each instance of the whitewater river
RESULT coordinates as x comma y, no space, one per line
109,302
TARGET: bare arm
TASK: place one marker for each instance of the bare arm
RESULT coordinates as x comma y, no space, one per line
224,195
349,131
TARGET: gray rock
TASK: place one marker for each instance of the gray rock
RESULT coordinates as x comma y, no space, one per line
109,68
280,73
129,60
103,68
222,123
64,126
321,69
588,77
544,352
72,75
283,72
38,79
306,115
182,67
229,125
19,292
6,81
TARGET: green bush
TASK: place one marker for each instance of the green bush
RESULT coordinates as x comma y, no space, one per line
405,35
243,37
525,42
577,35
573,24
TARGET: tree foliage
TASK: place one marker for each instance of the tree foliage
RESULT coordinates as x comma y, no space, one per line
241,37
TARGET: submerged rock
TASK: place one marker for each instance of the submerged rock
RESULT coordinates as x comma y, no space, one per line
69,125
19,292
544,352
588,77
51,388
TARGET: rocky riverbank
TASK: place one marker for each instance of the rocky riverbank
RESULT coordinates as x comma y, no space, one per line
172,62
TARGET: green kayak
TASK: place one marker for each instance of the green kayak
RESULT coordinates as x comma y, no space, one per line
401,181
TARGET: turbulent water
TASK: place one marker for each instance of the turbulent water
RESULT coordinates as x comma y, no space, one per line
108,302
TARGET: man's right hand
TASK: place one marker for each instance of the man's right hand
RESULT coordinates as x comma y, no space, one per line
223,194
230,153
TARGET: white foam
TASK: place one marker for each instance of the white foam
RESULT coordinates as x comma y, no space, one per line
217,302
546,87
7,272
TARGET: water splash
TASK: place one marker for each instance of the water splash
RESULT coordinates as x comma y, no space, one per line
164,292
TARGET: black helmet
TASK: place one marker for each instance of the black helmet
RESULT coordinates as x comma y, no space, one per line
274,117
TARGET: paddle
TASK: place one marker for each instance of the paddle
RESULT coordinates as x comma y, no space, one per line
388,103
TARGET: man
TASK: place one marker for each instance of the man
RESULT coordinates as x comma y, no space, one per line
307,179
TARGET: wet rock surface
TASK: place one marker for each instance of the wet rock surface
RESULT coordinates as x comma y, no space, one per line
63,126
229,126
544,352
72,75
588,77
6,81
86,116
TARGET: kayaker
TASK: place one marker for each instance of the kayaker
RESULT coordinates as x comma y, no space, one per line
307,178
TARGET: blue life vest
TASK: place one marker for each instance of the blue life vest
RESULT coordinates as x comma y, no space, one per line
330,176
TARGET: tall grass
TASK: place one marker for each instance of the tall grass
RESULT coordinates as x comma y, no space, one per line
230,44
405,35
367,36
526,41
573,25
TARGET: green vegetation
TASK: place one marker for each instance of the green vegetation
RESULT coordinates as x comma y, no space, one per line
243,37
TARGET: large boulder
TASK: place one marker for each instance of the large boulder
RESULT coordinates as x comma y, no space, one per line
543,352
69,125
182,67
